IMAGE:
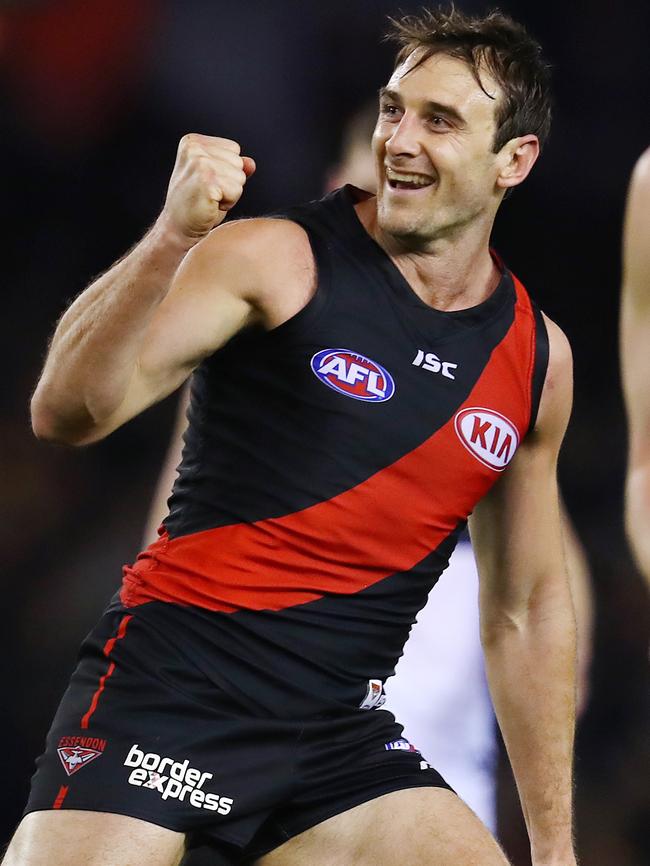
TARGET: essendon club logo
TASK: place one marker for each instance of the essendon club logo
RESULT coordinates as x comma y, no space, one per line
77,752
353,374
488,435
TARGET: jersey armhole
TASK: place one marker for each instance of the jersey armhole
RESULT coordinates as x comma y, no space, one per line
307,315
540,365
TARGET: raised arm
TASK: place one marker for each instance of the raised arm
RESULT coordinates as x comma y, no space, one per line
527,619
135,334
635,358
106,360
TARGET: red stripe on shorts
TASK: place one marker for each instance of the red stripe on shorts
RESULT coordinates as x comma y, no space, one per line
108,649
60,797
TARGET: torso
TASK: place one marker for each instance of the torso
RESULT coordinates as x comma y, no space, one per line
330,465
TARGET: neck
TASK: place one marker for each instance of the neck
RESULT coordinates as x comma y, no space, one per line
450,273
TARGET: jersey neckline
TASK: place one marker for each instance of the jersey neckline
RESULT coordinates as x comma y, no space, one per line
350,195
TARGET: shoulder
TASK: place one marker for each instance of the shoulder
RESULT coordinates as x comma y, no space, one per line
557,393
258,231
636,237
638,202
641,173
260,245
560,355
267,262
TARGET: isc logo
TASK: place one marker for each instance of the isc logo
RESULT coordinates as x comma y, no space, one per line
489,436
432,363
353,375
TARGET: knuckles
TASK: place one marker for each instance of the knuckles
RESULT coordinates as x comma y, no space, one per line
195,142
197,158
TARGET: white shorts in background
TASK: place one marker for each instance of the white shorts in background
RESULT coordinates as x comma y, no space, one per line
439,691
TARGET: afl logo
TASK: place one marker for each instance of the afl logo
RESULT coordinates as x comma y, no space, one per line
489,436
353,374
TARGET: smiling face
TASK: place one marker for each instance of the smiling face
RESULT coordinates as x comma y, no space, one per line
436,169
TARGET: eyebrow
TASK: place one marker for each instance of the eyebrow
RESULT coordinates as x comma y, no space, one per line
431,105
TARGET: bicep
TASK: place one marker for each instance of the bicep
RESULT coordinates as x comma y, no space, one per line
205,307
258,270
516,535
516,528
207,304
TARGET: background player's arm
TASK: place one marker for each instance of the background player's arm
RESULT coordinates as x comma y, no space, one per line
527,619
635,357
135,334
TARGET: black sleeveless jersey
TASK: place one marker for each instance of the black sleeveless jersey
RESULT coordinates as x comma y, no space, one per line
328,469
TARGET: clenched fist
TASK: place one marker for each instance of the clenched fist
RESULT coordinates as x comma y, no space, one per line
208,179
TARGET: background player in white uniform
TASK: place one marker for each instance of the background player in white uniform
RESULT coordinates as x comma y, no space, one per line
439,692
635,356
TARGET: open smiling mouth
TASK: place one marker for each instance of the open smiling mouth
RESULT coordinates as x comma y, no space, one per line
407,180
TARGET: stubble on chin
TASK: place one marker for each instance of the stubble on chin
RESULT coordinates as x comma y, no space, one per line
410,229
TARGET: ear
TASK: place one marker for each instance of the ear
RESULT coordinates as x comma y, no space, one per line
516,159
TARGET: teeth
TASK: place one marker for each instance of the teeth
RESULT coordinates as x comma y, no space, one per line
408,177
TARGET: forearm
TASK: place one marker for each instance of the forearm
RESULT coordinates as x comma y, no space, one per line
582,595
531,670
95,348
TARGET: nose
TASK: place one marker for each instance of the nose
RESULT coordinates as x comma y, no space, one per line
405,140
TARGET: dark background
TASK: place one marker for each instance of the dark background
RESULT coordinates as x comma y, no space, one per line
93,98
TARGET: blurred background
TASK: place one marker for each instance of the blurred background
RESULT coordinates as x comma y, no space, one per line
94,96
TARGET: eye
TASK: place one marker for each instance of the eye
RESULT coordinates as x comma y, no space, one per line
439,122
388,110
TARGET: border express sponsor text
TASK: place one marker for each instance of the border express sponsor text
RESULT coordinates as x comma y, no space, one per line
174,780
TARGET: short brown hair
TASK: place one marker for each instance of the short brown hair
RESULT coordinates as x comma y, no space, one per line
496,43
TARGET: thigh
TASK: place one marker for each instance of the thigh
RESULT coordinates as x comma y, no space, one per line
76,838
419,826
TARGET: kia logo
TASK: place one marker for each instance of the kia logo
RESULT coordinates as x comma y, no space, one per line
488,435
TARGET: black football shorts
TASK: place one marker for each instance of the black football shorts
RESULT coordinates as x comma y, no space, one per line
141,731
